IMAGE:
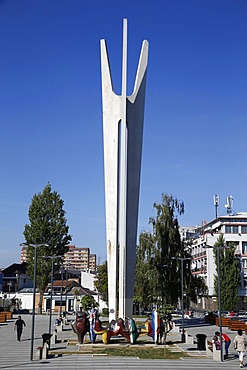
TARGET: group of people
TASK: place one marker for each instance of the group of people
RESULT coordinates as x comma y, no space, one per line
239,344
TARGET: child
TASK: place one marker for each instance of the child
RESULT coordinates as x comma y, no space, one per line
216,342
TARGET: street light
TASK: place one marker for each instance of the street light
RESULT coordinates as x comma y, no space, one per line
35,246
61,296
182,259
52,273
218,248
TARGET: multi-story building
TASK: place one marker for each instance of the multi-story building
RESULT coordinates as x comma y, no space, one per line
76,258
233,228
23,254
92,262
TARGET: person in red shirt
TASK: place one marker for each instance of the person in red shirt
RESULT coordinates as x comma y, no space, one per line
226,340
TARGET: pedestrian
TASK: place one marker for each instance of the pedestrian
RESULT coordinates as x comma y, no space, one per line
226,340
216,342
19,327
240,345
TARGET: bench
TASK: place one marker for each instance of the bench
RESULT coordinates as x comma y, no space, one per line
209,348
235,325
3,317
38,354
9,314
225,321
41,352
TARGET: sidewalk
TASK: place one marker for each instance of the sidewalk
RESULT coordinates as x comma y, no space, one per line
198,326
14,353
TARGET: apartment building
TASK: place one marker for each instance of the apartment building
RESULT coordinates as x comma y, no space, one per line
233,227
76,258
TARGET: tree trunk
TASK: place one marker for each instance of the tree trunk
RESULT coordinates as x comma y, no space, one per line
40,304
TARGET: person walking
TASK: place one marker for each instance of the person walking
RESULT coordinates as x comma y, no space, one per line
19,327
240,345
226,340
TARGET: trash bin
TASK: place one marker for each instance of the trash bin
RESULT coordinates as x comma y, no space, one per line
201,339
46,338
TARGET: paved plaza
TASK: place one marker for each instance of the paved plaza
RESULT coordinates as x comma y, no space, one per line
16,355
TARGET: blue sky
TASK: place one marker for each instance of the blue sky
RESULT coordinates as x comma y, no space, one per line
194,143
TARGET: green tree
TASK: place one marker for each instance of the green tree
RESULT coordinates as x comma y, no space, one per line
48,225
229,274
87,301
101,281
158,275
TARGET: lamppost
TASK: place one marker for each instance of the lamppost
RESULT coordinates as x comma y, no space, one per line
61,297
35,246
182,259
218,248
51,296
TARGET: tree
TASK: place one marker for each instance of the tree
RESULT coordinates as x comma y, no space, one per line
87,302
158,275
48,225
101,281
229,274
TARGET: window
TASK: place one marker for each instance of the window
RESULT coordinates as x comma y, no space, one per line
235,229
232,229
244,229
228,229
244,248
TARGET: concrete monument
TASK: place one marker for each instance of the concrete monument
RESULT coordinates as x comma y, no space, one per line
123,118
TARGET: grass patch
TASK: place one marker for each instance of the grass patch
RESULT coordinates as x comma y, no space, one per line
144,352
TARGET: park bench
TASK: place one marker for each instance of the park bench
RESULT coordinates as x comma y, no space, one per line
3,317
9,315
225,321
209,348
235,325
41,352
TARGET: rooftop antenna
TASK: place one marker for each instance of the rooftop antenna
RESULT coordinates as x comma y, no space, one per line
216,204
229,204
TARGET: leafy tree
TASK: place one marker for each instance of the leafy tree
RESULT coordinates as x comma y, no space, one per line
158,274
47,226
229,274
101,281
87,301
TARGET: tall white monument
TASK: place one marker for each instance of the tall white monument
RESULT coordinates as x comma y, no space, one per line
123,118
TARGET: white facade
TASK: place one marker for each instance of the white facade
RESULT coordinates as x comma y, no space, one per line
87,280
233,227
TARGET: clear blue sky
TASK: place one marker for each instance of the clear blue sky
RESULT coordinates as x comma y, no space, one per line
51,115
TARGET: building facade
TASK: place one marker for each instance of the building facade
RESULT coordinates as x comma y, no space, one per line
79,258
233,228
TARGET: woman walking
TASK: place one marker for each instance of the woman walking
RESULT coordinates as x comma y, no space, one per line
240,345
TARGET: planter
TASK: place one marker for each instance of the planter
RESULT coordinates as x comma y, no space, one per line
225,321
235,325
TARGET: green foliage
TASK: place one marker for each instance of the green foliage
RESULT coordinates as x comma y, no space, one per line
47,226
229,275
105,311
101,281
87,301
158,275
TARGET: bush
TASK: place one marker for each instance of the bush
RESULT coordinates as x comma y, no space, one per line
105,311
